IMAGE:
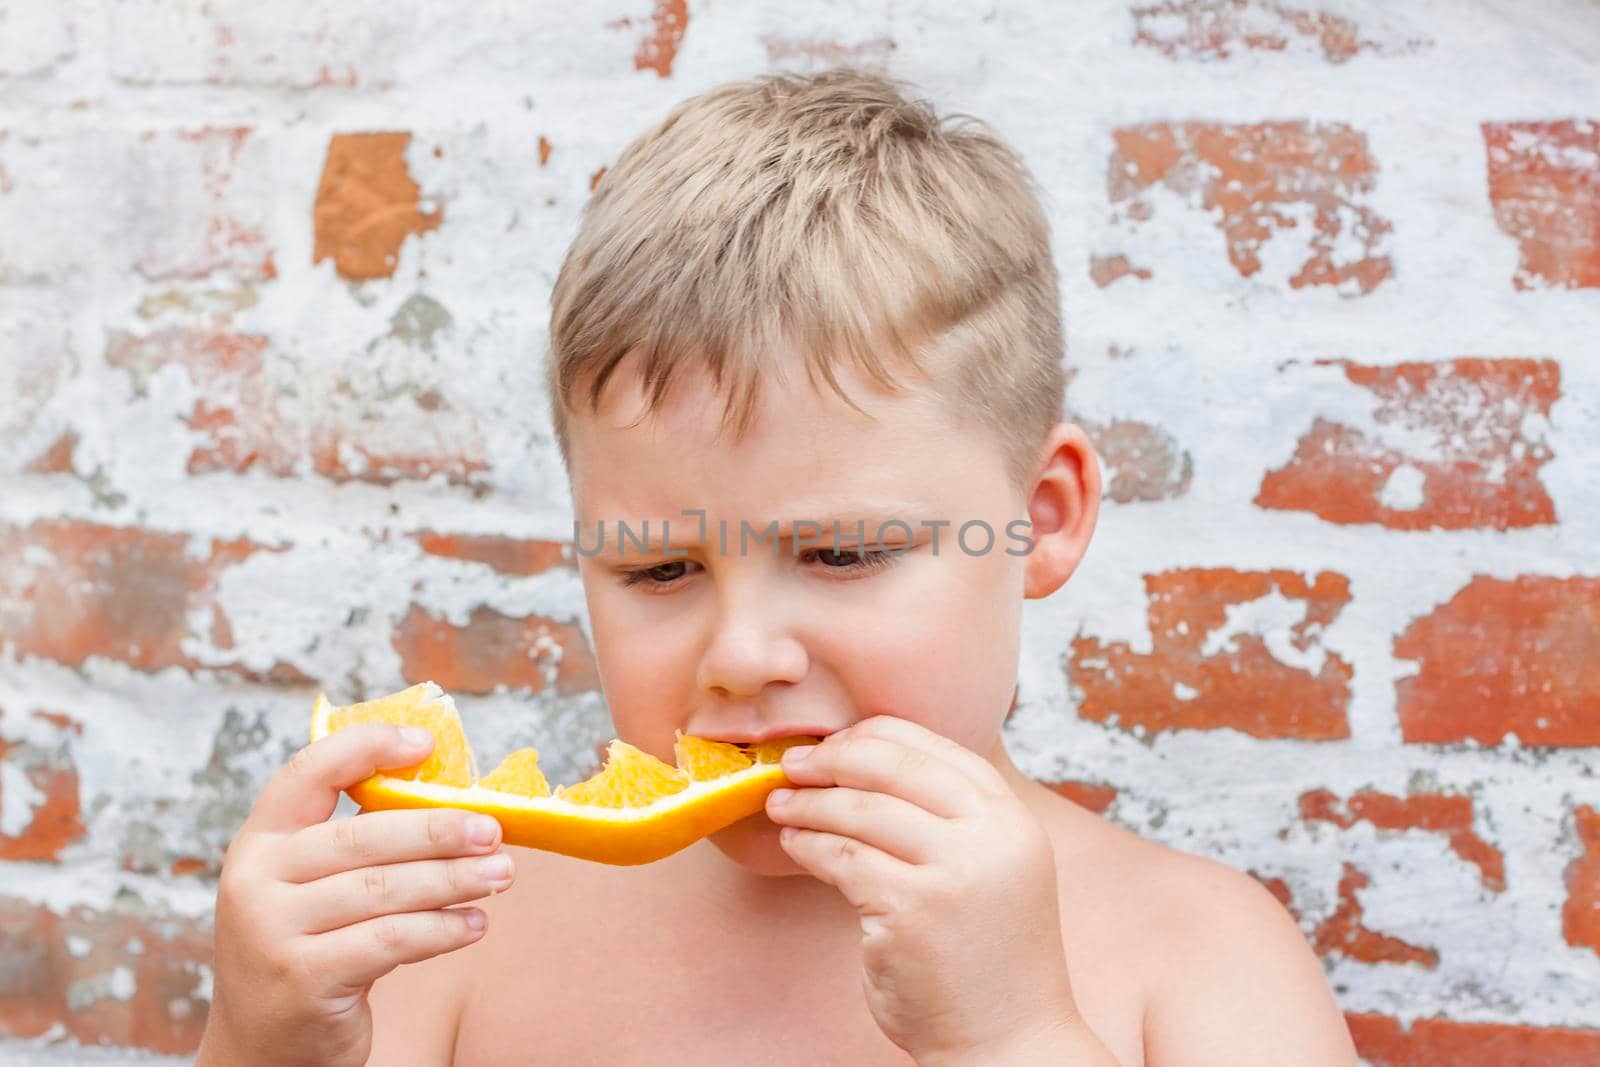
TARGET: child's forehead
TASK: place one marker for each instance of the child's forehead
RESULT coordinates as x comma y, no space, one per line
804,447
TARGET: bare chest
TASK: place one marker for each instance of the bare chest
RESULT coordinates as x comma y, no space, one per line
637,1020
617,967
596,979
659,1012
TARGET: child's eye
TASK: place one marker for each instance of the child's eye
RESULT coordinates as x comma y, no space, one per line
839,560
850,560
659,576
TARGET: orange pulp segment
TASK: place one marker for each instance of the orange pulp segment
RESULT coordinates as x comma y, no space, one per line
702,759
450,762
631,778
518,773
772,751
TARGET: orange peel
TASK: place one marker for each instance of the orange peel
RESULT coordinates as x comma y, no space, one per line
636,809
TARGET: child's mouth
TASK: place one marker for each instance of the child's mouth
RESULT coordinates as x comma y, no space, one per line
806,735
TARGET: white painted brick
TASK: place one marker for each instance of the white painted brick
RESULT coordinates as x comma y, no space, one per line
35,35
127,207
163,203
293,43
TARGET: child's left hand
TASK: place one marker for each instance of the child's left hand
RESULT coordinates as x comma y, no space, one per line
955,883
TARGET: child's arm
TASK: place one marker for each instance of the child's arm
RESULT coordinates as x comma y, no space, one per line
1244,988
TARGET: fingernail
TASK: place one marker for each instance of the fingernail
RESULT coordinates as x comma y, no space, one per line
416,737
798,753
475,918
482,830
778,796
496,870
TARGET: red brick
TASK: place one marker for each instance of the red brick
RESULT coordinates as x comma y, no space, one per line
1481,469
61,721
367,205
1217,29
242,427
1139,461
55,820
1433,812
136,981
1383,1042
658,48
1103,270
1092,795
1580,915
507,555
1544,182
1519,656
494,649
1344,933
1280,891
71,591
1242,685
58,458
1251,177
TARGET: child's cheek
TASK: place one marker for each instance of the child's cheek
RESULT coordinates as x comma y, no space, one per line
947,656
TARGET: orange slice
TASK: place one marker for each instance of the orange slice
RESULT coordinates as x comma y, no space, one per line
636,809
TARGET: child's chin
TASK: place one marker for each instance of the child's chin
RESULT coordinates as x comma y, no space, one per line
752,843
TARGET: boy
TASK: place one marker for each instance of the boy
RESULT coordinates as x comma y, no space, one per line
804,301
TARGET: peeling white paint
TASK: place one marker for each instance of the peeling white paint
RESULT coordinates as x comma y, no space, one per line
1402,491
19,799
1270,618
1224,364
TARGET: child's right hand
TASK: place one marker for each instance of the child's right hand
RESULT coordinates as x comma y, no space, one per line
310,913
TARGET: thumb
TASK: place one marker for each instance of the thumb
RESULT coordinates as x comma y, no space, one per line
306,790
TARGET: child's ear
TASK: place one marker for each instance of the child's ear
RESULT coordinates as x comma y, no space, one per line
1062,507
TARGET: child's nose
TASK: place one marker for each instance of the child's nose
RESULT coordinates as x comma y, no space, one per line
749,648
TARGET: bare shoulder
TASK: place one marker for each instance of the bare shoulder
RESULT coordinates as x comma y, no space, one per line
1236,983
1220,971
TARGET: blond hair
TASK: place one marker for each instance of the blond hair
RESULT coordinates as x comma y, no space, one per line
827,215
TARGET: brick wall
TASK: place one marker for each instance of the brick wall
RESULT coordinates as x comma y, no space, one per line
273,285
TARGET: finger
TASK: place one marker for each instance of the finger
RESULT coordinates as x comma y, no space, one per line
377,837
363,952
896,826
867,877
880,766
424,885
915,735
306,789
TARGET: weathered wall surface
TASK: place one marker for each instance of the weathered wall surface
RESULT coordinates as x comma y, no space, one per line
273,289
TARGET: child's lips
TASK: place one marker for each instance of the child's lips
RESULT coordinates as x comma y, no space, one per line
771,733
